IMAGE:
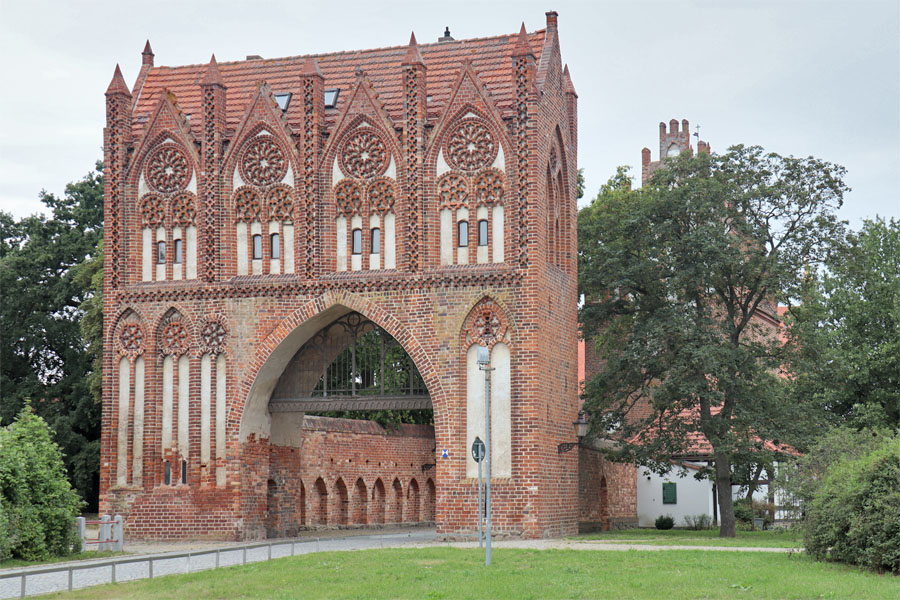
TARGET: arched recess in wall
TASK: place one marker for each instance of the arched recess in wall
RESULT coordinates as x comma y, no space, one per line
487,325
129,342
212,333
174,341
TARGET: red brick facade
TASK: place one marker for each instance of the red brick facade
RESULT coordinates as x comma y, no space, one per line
196,155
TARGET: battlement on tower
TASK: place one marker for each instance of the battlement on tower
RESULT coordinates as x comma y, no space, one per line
673,141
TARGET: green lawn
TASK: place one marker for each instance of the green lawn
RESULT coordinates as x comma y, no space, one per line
775,538
13,563
441,572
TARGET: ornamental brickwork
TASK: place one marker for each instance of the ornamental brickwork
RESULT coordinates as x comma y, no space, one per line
245,215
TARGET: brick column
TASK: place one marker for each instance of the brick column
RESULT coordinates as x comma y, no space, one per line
313,88
414,138
523,65
210,218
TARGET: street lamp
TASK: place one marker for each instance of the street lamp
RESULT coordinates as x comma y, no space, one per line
582,425
484,362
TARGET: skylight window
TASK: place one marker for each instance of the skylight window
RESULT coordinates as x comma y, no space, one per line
283,100
331,97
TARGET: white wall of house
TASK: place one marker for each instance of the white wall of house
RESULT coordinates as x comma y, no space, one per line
692,497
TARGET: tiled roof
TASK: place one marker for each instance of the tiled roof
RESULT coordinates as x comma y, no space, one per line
490,57
697,443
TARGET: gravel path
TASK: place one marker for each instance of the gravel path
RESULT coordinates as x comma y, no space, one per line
546,544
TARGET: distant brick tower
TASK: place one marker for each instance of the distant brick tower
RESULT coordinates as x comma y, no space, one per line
672,142
340,232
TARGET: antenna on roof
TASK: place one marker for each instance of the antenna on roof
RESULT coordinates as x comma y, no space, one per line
697,131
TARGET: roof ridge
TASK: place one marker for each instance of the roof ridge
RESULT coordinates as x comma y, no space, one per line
359,51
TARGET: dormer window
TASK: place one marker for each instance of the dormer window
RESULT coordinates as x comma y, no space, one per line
331,97
283,100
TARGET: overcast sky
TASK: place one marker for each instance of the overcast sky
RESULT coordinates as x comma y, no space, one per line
801,78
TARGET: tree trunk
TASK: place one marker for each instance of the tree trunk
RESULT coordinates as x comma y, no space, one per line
726,504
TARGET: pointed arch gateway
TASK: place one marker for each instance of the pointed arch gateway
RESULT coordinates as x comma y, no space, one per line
336,354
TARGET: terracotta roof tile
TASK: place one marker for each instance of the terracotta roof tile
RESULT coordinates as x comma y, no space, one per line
490,57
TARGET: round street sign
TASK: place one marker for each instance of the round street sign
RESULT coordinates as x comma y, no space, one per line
478,450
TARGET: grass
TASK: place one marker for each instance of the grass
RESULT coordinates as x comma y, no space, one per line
441,572
14,563
775,538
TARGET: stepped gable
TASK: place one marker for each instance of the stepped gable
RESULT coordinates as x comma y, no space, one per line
490,56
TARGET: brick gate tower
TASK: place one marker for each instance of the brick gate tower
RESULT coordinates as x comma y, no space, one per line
341,232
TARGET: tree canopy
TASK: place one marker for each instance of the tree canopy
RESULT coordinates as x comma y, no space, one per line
846,328
681,280
47,264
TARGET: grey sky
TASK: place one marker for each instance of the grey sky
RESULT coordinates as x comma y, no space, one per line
803,78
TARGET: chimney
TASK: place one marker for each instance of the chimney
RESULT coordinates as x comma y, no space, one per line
446,37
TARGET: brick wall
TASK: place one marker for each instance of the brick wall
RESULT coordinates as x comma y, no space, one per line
607,492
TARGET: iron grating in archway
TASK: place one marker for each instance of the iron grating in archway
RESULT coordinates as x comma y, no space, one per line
351,364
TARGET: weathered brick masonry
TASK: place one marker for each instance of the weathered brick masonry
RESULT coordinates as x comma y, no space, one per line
238,205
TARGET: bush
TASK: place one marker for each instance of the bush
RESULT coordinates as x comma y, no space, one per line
36,497
665,522
743,511
698,522
854,516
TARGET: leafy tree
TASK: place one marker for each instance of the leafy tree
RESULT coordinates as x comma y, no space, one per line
681,279
801,478
846,328
45,275
35,495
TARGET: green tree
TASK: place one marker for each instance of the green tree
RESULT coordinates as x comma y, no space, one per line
46,269
680,279
846,328
35,495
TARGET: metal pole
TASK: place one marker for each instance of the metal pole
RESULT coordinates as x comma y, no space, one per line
487,475
480,509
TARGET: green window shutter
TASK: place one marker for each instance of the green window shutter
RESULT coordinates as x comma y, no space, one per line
669,494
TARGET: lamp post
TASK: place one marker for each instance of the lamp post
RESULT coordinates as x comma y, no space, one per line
484,361
581,430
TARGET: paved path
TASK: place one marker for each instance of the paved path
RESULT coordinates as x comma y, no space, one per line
363,537
162,559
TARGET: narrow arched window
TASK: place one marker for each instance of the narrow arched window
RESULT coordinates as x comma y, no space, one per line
376,240
357,241
275,246
178,252
483,232
462,231
167,474
257,246
160,253
184,472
